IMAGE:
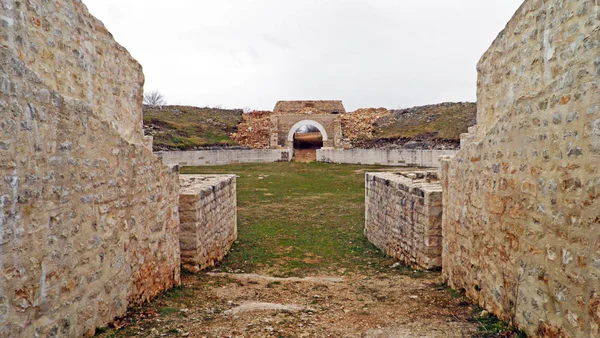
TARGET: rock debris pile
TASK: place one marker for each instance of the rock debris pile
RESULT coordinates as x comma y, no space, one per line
360,123
255,130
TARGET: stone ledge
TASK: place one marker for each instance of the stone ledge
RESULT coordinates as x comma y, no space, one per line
208,217
404,216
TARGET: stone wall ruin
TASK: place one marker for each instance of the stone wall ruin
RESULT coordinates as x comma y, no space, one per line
403,216
283,126
522,197
208,213
88,215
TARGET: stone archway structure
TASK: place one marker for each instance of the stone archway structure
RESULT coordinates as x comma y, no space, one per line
284,127
291,115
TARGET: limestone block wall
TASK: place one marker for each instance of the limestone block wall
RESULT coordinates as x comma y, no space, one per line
223,157
391,157
208,211
521,217
73,54
89,218
403,216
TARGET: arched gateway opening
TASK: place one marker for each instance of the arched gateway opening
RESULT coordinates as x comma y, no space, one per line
307,136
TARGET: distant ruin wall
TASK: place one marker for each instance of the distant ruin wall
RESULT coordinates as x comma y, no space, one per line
522,197
403,216
208,212
223,157
88,216
391,157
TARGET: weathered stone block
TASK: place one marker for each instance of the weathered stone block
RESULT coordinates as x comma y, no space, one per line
403,216
208,209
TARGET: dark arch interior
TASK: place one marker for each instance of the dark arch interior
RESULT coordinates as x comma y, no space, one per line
307,139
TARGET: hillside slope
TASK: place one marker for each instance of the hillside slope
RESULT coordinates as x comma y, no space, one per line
433,126
189,128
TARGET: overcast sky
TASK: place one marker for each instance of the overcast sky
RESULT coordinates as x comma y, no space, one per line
252,53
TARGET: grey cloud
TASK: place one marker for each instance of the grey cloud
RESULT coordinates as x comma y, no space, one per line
241,53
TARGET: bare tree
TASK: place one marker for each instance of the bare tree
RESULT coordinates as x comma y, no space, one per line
154,99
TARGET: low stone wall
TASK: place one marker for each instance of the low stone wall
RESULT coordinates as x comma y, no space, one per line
224,156
403,216
208,214
391,157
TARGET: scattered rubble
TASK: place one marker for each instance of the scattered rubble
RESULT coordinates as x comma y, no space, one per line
262,306
360,123
255,130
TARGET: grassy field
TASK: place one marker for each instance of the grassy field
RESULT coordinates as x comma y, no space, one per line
445,121
295,220
299,218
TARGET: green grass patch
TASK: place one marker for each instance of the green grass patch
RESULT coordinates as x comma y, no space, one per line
176,293
296,219
488,324
491,326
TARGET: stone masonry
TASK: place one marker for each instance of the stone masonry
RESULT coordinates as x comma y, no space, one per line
316,106
71,52
283,126
224,156
89,218
522,197
403,216
208,211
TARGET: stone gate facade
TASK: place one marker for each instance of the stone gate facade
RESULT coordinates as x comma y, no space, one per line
291,115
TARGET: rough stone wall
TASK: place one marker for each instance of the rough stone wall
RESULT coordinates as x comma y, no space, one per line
255,130
282,124
88,218
403,216
208,210
72,53
522,197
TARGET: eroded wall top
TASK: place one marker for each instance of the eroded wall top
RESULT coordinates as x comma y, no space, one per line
312,106
545,48
77,58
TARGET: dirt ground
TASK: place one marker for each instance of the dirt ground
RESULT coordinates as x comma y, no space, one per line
387,304
306,145
305,155
304,222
